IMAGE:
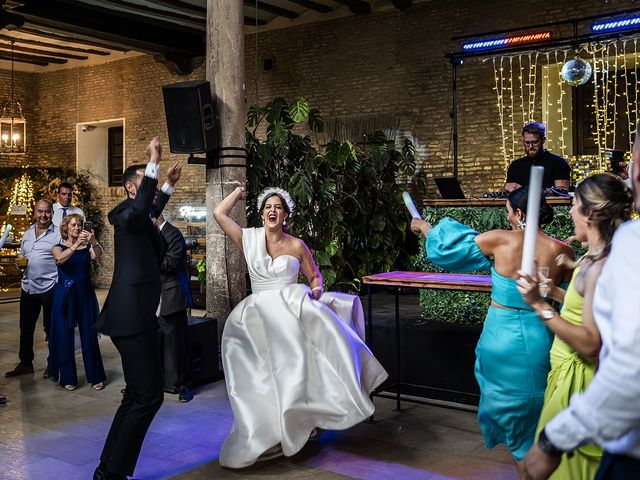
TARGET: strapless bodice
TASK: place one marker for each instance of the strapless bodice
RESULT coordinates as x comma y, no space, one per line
265,272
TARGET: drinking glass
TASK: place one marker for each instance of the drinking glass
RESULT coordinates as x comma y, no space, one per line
543,281
21,263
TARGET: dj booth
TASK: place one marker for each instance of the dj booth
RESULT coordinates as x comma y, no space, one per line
484,202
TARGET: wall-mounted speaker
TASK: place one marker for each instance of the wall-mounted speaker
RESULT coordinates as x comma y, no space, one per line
192,121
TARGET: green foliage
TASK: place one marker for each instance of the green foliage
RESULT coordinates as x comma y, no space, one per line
470,308
349,207
201,267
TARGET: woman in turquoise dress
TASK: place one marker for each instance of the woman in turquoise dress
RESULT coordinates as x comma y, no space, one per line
600,205
75,303
512,355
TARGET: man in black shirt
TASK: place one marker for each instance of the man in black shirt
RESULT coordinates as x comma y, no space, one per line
557,172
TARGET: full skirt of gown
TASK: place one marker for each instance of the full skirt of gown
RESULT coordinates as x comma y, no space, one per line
293,364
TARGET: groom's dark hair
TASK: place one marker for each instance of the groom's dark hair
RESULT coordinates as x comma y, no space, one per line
131,173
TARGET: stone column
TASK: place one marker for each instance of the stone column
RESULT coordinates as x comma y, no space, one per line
225,72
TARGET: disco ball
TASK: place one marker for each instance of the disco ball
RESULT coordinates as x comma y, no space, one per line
576,72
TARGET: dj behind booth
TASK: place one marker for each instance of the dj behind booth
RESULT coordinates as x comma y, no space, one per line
557,173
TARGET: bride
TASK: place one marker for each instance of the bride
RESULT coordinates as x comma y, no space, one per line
294,357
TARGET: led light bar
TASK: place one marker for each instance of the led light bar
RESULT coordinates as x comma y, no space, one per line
504,42
622,23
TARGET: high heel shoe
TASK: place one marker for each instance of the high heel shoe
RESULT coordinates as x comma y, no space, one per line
70,387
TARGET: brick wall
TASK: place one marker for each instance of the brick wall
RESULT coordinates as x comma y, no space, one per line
385,64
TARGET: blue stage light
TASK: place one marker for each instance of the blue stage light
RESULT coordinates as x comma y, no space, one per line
621,23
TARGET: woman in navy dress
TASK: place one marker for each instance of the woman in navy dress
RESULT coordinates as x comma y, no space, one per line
75,303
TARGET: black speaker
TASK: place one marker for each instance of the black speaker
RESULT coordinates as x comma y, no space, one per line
203,350
191,117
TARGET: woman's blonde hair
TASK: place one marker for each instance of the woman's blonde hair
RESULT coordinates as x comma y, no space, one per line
64,225
607,203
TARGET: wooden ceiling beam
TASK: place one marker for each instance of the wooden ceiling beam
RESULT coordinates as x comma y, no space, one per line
318,7
71,38
67,48
250,21
183,7
24,60
357,7
143,11
125,29
267,7
46,53
35,58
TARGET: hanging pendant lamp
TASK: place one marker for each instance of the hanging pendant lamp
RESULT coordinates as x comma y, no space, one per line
13,126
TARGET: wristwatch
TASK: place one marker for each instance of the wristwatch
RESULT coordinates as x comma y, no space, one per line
545,444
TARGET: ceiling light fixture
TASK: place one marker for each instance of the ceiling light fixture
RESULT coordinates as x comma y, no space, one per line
13,126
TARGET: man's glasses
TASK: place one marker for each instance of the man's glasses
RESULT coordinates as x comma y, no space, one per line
534,143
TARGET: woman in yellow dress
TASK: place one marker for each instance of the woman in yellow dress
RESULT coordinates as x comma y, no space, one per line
600,205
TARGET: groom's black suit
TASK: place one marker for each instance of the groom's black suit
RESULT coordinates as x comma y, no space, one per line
129,318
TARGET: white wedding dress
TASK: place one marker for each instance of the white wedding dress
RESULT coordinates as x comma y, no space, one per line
291,363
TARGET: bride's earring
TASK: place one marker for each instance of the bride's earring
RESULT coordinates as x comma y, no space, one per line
521,224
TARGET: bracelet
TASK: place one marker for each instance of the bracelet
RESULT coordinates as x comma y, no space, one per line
316,288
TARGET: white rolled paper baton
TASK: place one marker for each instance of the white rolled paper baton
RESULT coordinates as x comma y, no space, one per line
531,228
408,201
5,235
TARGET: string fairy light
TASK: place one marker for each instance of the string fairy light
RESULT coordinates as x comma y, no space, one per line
511,114
607,90
625,79
560,102
498,90
520,77
548,106
596,86
614,117
635,73
615,96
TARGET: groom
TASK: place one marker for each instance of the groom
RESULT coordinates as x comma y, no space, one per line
129,312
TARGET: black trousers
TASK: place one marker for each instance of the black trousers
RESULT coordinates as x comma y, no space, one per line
30,306
618,467
173,331
142,399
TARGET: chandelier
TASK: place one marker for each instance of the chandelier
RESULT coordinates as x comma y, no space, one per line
13,127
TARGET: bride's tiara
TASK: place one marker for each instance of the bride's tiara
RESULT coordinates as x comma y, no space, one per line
270,191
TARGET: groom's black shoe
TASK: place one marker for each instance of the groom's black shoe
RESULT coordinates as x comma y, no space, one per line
185,395
21,369
100,474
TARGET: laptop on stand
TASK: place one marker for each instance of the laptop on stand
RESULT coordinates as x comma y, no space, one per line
449,187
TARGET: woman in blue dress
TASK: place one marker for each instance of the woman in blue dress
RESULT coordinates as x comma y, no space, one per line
75,303
512,355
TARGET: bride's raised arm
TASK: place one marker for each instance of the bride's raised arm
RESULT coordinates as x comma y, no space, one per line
221,214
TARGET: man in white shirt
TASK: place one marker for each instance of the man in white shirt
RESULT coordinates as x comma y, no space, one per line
38,283
608,412
63,206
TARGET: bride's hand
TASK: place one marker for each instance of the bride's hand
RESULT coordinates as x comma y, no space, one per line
316,293
241,192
